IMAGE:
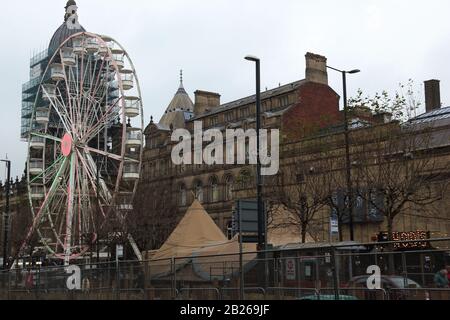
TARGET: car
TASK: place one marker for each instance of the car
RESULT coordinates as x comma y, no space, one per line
395,288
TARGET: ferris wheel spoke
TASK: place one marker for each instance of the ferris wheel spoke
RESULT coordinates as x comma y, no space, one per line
96,127
98,119
57,205
93,97
48,197
69,107
74,91
73,86
70,209
103,187
66,123
48,170
85,209
45,136
110,155
91,173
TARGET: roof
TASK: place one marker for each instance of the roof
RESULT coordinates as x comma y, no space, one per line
252,99
180,109
436,115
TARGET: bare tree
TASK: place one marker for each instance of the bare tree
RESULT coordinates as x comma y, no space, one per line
335,189
297,195
398,163
155,215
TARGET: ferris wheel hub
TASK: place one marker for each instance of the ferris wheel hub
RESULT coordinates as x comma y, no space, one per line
66,145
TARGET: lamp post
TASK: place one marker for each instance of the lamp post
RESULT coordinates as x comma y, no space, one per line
6,216
262,221
261,217
347,149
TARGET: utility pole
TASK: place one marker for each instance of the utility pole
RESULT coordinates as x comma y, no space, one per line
261,215
347,150
348,160
262,219
6,215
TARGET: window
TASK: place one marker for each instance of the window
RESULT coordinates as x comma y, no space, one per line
247,151
229,181
230,230
183,197
214,190
245,112
267,105
214,121
199,191
245,180
229,116
284,101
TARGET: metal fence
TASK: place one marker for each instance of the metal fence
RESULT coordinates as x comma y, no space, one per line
296,272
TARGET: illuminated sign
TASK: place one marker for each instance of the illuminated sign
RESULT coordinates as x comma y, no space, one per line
415,239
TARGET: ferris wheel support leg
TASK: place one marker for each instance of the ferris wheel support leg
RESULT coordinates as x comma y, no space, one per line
136,250
69,221
37,219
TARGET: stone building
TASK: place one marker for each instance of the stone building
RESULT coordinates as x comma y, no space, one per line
310,121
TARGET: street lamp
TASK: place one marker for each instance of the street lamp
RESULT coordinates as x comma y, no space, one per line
6,217
262,221
261,218
347,148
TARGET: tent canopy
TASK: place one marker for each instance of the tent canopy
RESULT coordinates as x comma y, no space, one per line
195,231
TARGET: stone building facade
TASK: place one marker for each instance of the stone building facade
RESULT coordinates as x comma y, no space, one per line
308,116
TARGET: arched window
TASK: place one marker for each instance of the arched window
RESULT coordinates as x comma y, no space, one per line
198,187
214,190
183,195
230,230
245,179
229,187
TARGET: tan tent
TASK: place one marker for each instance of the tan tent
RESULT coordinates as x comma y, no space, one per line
199,241
195,231
222,259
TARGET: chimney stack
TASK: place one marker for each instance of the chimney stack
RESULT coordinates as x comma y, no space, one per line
316,68
432,95
205,101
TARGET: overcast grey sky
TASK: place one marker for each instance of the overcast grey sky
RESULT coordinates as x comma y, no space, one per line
390,41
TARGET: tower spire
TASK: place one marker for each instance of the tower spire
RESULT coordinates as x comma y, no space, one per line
70,3
181,77
71,10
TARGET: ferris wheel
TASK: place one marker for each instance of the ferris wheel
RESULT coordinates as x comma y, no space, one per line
86,144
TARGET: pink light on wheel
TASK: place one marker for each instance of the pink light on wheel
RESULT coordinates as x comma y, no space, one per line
66,145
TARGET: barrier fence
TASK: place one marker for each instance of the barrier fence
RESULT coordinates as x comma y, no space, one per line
377,271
